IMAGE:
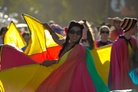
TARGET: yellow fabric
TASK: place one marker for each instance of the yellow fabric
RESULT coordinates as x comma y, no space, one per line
42,73
13,37
32,75
25,76
101,58
14,79
37,43
131,52
1,87
40,38
49,40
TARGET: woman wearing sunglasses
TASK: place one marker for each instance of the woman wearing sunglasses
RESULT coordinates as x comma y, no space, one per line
104,32
76,71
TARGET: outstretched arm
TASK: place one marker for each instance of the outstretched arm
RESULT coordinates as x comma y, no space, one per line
49,62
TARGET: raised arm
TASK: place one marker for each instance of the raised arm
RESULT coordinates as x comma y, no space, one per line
54,35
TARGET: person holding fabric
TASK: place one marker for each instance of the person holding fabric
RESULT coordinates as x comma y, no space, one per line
78,72
104,32
121,57
74,71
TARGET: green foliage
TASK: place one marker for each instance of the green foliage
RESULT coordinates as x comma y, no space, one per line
61,11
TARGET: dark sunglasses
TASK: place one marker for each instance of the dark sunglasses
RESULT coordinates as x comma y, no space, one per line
107,32
78,32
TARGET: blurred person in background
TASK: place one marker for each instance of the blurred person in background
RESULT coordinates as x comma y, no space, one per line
26,37
2,33
104,33
116,29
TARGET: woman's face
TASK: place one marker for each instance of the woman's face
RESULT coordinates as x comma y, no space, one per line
117,24
74,34
26,38
104,33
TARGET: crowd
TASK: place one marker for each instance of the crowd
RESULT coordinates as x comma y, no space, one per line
75,69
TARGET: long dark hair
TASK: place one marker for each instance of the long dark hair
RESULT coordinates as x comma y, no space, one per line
90,36
72,24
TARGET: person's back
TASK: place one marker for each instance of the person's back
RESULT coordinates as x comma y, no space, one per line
121,54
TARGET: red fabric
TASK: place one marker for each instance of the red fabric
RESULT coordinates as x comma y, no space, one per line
72,76
50,54
120,66
11,57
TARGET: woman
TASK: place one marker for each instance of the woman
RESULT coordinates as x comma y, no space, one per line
104,32
77,73
74,71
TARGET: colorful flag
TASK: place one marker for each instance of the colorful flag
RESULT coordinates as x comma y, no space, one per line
31,76
41,46
101,58
13,37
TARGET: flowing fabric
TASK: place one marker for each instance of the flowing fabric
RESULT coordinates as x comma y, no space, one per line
12,57
134,76
97,80
73,75
1,87
13,36
14,79
120,65
27,77
41,45
101,57
41,74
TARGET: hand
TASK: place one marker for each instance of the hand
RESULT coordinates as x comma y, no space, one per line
48,62
46,26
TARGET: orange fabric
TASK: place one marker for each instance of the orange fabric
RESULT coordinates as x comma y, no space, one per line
50,54
41,46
